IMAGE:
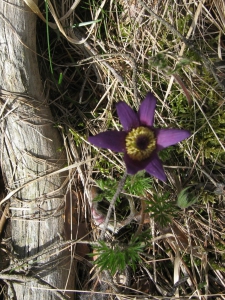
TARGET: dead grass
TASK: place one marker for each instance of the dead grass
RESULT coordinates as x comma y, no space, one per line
175,49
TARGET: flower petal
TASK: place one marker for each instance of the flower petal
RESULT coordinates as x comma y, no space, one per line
113,140
155,167
147,110
133,166
169,136
127,116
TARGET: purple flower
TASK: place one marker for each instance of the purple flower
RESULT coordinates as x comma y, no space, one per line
140,141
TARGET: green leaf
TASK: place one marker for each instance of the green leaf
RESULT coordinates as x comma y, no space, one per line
117,257
186,198
138,184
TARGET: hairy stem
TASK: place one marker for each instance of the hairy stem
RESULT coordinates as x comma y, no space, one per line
112,204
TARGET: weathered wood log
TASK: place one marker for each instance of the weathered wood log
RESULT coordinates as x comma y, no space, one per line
29,154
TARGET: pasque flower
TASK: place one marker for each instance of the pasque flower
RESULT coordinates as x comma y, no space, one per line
140,141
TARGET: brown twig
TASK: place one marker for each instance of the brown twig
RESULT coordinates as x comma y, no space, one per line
4,217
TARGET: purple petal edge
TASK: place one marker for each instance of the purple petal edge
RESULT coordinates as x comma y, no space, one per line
128,118
133,166
147,110
155,168
166,137
113,140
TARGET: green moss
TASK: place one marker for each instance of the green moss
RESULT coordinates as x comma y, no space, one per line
216,266
205,197
78,138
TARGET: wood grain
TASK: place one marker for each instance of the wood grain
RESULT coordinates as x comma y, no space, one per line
30,149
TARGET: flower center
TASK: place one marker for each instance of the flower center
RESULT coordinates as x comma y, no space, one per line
140,142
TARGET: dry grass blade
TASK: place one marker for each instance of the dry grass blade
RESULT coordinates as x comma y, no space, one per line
44,176
4,217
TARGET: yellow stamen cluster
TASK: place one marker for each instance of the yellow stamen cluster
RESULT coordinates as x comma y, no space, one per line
140,142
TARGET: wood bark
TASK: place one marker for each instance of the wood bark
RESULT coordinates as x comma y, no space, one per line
30,146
